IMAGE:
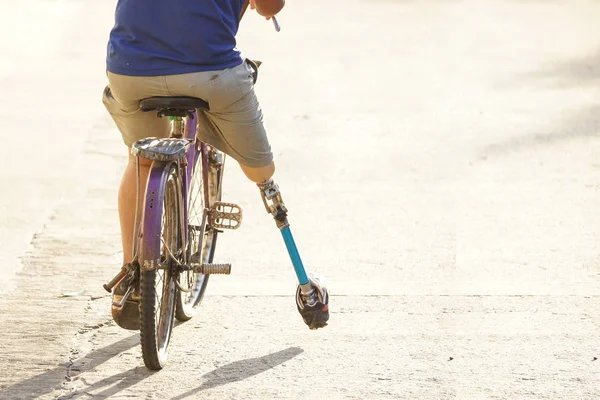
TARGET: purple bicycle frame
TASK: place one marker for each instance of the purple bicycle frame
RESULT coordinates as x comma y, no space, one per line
149,249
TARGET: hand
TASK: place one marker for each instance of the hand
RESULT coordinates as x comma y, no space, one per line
274,8
253,7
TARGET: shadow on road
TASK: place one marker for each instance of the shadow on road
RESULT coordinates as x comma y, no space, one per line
52,380
243,369
125,380
579,72
585,124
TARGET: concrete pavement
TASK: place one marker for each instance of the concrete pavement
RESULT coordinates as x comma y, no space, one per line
440,164
51,74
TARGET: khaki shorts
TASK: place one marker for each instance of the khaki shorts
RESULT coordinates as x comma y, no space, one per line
233,125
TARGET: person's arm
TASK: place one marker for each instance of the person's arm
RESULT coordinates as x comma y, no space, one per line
267,8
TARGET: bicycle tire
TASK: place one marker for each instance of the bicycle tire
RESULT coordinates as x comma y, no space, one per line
200,240
158,286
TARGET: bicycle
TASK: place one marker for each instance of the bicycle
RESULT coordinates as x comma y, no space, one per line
182,215
176,235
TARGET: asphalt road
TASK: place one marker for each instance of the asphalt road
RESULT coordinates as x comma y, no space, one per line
440,163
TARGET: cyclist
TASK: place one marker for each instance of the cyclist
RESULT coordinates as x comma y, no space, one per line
185,48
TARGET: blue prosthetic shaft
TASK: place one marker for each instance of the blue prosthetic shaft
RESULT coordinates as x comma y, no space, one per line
274,205
294,255
312,298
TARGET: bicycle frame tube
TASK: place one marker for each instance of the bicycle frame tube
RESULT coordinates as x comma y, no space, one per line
192,156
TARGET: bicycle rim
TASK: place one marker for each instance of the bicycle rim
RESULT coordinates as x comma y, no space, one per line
159,285
201,240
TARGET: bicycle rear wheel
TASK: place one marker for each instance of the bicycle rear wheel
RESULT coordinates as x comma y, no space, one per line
202,239
164,207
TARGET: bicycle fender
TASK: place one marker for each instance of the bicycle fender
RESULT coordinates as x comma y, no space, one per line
150,243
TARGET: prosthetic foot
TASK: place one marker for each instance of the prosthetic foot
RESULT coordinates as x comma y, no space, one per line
314,307
312,298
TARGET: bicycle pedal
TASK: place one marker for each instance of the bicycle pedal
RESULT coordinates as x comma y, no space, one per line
213,269
226,216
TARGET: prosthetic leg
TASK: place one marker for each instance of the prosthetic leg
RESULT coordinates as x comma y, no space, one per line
312,298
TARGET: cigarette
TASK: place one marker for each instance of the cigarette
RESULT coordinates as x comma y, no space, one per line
276,24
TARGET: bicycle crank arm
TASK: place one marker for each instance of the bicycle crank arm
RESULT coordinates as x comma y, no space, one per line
213,269
125,297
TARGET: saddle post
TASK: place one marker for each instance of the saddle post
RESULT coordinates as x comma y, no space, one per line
178,127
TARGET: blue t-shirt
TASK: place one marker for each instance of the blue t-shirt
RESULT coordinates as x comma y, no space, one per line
168,37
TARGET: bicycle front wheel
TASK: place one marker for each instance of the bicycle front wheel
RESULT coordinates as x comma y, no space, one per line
202,239
162,241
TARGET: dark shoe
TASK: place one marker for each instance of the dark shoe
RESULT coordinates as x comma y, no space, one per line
126,316
315,315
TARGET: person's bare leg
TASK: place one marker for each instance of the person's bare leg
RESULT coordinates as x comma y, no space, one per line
259,175
127,197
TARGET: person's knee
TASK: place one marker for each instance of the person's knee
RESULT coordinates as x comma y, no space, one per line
261,174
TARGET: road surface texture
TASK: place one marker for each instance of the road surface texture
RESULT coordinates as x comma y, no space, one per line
440,160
